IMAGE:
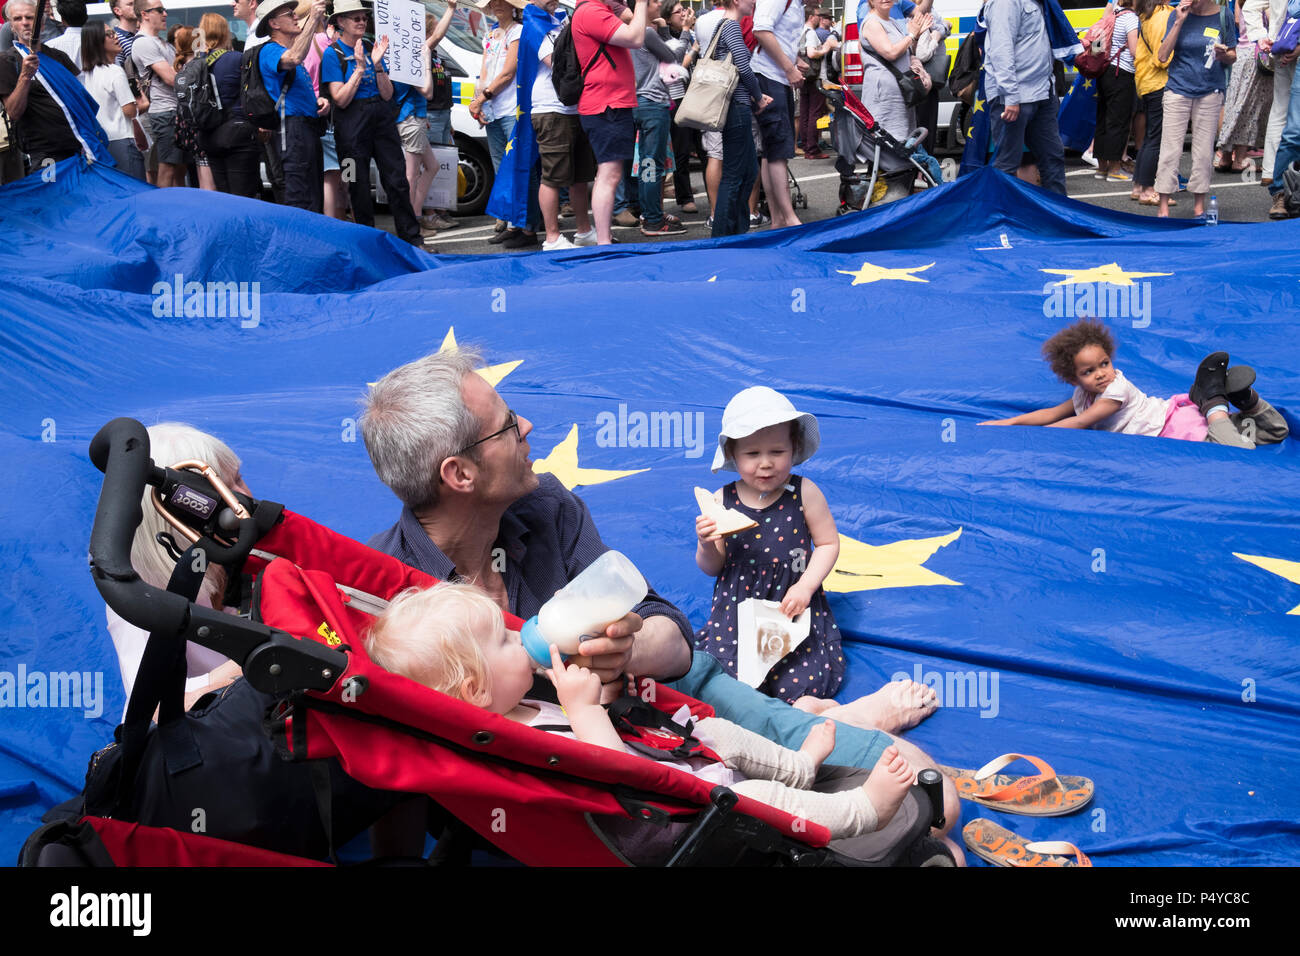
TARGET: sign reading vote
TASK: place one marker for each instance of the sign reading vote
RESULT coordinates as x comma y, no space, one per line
402,21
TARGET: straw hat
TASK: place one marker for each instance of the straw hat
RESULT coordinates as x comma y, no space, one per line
263,26
348,6
482,5
755,409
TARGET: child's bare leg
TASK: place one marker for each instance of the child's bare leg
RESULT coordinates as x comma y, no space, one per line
888,784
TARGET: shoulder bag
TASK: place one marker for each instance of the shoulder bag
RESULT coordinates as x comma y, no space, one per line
708,98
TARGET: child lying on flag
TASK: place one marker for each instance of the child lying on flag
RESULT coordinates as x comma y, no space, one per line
452,638
1082,356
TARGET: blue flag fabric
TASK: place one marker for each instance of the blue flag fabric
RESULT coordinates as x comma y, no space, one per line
1078,115
512,186
78,106
1125,608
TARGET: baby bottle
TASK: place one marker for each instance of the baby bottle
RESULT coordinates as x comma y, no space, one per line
609,588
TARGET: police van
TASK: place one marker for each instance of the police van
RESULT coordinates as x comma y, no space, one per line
961,16
461,51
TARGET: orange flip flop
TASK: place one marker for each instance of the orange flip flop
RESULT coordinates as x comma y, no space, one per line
1042,795
1001,847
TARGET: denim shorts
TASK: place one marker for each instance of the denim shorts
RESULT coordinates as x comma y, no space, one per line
440,132
612,134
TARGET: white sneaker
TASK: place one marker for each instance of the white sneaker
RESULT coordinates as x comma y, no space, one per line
587,238
560,243
1087,157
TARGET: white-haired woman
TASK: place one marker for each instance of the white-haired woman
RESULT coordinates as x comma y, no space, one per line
205,669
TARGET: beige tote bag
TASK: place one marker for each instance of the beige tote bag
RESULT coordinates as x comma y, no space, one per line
708,99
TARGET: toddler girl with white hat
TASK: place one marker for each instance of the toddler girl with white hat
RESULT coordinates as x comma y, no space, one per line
786,557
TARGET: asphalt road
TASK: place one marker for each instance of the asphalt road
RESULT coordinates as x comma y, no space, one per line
1240,199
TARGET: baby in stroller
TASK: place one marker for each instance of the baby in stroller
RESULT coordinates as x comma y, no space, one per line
452,638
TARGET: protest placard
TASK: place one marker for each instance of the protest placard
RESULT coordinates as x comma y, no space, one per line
402,21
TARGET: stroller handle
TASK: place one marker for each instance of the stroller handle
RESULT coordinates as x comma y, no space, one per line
273,660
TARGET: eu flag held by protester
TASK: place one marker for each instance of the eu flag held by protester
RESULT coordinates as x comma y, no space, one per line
1125,608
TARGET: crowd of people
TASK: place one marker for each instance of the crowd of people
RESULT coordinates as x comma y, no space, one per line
618,155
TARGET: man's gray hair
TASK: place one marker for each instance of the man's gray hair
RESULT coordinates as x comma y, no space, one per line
10,4
414,418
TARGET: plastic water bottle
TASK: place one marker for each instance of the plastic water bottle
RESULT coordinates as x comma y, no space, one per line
609,588
1212,211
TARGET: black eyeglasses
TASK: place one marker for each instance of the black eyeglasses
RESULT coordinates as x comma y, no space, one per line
153,10
513,423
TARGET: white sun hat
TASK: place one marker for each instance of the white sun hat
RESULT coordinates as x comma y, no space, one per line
757,408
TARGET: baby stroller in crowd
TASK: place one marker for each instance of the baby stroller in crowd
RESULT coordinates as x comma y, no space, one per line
315,742
858,138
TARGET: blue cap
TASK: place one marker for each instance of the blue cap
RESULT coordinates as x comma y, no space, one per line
538,647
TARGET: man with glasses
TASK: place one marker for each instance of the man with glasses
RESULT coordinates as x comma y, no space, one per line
280,59
444,441
446,444
154,58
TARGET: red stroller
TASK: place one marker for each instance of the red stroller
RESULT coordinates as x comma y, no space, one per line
858,138
316,742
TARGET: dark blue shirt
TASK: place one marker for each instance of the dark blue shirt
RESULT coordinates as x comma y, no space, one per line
300,98
410,101
1188,73
225,74
548,537
336,66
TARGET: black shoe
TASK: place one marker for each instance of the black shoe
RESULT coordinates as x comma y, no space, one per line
504,235
1239,381
520,240
1211,385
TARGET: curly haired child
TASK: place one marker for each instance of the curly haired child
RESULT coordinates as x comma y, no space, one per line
1082,355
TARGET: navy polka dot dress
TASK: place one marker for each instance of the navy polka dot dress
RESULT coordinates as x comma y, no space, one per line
760,564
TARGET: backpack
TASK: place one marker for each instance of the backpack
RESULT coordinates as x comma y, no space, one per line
567,74
1096,47
964,79
263,110
198,104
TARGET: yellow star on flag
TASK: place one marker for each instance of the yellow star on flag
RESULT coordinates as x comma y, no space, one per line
868,567
493,374
510,145
562,462
870,273
1111,274
1087,84
970,133
979,106
1282,568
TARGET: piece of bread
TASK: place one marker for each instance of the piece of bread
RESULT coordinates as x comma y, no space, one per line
728,520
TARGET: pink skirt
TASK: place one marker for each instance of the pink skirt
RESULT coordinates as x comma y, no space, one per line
1184,420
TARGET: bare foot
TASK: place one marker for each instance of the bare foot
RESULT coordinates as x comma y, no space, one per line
819,743
897,706
888,784
813,705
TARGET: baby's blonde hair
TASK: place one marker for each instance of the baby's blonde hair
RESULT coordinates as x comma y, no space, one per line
432,636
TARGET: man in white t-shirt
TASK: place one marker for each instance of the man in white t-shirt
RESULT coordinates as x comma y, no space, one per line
566,156
777,25
154,57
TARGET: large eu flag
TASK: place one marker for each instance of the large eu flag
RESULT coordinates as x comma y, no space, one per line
1126,608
